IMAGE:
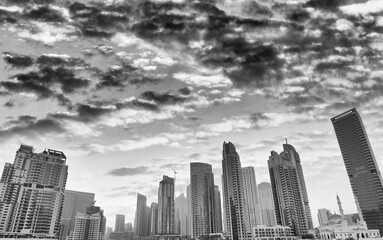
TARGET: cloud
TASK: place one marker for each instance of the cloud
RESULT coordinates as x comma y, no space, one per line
124,171
17,60
163,98
367,7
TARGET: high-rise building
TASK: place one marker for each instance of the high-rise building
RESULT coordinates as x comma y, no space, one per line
153,218
251,197
202,199
361,166
74,202
89,225
218,210
324,216
233,194
166,206
129,227
266,204
293,154
181,215
190,218
287,193
120,223
32,193
140,220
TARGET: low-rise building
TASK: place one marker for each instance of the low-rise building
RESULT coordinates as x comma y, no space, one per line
262,232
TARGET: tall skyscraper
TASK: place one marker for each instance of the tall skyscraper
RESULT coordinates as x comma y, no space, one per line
74,202
120,223
324,216
251,197
361,166
181,215
202,199
140,220
166,206
233,193
287,193
153,218
218,210
89,225
266,204
32,193
294,156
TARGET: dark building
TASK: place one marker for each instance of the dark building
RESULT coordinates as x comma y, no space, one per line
361,167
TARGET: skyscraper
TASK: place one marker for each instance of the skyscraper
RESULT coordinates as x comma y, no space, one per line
287,193
202,199
294,156
32,193
153,218
218,210
324,216
74,202
166,206
89,225
140,220
266,204
233,193
182,215
251,196
361,166
120,223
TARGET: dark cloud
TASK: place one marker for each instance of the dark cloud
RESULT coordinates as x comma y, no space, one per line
51,60
120,172
43,13
185,91
331,5
123,76
17,60
194,156
163,98
30,127
8,17
9,104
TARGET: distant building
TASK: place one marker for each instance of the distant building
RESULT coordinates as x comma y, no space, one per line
89,226
74,202
153,218
362,169
287,193
166,206
324,216
233,194
128,227
266,204
32,193
251,197
120,223
109,230
182,215
262,232
121,236
218,210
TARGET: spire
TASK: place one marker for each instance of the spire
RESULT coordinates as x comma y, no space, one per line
286,140
340,206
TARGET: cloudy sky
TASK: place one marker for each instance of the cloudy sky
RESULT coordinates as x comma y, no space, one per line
129,90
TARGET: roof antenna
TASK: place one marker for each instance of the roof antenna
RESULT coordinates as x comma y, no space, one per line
286,140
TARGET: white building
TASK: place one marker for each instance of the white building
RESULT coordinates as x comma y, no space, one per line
89,226
262,232
251,197
344,230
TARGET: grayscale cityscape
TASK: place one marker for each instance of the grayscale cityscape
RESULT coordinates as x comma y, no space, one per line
191,119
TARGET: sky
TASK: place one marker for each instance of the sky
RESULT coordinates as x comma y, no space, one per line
130,90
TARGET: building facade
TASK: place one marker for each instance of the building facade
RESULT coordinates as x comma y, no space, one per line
74,202
218,210
262,232
254,216
233,194
89,225
120,223
32,193
166,209
141,219
294,156
287,194
266,204
182,215
361,167
153,218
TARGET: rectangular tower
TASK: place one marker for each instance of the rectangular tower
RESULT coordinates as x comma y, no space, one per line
266,204
166,206
233,193
361,167
140,221
251,197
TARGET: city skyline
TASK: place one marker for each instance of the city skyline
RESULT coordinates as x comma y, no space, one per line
138,89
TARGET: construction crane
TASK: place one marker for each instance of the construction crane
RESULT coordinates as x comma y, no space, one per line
175,173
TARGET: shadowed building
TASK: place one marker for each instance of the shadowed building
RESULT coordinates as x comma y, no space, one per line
166,206
361,166
140,220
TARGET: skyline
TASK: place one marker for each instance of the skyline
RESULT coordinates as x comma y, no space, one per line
138,88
